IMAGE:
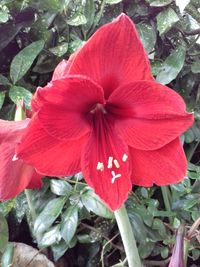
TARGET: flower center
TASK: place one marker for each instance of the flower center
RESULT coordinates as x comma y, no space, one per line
98,107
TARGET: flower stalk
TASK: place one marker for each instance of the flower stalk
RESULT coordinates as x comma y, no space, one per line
128,238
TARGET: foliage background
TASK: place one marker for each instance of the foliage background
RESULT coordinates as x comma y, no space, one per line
66,219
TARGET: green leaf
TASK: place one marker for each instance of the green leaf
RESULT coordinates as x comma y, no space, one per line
2,98
59,249
61,187
158,3
148,35
69,223
51,237
49,214
195,67
59,50
51,5
77,19
92,203
111,2
17,93
155,67
4,16
172,65
166,20
3,233
22,62
4,80
89,13
7,257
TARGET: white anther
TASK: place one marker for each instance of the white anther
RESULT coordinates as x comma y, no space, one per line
124,158
14,158
115,176
116,163
110,159
100,166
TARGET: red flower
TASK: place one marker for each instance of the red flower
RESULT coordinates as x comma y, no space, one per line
15,175
105,115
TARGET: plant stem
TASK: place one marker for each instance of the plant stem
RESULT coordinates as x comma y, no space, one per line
128,238
30,204
165,194
186,250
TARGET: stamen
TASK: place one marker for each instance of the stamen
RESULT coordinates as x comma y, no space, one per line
115,176
110,159
100,166
124,158
116,163
14,158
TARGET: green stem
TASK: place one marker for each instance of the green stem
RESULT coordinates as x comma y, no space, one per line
128,238
30,204
186,250
165,194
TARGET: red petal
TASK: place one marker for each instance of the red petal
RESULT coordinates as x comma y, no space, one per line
163,166
47,154
10,129
149,115
14,175
36,181
102,144
68,101
113,56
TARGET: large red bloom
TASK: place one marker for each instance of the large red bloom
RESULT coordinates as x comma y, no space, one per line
105,115
15,175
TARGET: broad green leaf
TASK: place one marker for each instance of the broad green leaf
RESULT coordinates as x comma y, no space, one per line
92,203
2,98
59,50
195,67
59,249
77,19
137,226
158,3
51,237
172,65
69,223
60,187
7,257
89,13
22,62
49,214
166,20
148,35
189,136
4,80
50,5
164,252
111,2
7,206
155,67
17,93
145,250
4,16
3,233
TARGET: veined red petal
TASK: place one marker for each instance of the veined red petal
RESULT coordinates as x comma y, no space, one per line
106,164
113,56
10,129
36,181
69,99
149,115
163,166
47,154
15,175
